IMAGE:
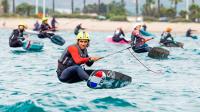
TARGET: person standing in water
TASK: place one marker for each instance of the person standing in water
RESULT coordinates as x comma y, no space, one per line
70,69
117,35
17,36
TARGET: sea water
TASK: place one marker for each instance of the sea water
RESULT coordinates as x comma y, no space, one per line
28,80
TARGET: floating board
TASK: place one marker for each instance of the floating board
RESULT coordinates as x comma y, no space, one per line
177,44
107,79
109,39
32,45
56,39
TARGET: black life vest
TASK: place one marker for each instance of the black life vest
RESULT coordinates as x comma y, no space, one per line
66,59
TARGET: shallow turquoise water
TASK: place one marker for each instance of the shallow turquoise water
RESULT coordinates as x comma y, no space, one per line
28,81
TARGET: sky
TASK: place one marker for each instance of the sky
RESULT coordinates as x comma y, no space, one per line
130,4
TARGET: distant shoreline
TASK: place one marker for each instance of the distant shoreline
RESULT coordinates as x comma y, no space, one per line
93,25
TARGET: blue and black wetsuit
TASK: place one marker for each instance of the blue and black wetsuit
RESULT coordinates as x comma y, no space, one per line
16,38
117,36
70,68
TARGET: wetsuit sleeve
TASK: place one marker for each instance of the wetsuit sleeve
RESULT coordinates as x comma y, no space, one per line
122,32
90,62
76,56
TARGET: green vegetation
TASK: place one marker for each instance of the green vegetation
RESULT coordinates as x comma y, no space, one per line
5,5
153,13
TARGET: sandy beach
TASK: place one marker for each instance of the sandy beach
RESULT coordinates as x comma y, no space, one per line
101,26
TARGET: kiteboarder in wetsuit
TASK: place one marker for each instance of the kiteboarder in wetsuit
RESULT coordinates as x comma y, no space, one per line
17,36
166,37
189,33
78,28
70,67
36,26
117,35
44,28
138,41
53,24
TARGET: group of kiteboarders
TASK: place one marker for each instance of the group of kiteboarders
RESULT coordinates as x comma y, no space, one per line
70,63
138,37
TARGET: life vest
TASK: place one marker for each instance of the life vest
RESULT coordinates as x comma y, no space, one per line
66,59
15,36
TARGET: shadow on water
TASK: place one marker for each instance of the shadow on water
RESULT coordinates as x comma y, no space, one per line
18,51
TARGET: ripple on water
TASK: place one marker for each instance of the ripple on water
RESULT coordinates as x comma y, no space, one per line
25,106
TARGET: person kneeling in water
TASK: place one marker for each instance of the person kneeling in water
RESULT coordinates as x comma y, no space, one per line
70,67
138,41
166,37
117,35
17,36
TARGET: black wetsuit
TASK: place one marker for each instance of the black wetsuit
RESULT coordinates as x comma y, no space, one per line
44,27
77,29
53,24
166,38
70,68
144,27
16,38
36,26
117,36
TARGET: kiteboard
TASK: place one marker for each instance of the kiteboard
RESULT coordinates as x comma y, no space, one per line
110,40
108,79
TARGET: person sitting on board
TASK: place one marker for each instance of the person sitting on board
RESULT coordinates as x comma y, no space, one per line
53,24
166,37
78,28
17,37
44,28
138,42
189,33
36,26
70,67
117,35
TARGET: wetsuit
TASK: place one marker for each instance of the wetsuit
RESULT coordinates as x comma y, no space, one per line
144,27
77,29
36,26
117,38
166,39
138,43
16,38
70,68
189,34
44,27
53,24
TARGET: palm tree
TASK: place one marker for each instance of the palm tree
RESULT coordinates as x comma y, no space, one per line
159,7
175,2
136,6
84,2
99,2
72,5
53,5
13,6
5,5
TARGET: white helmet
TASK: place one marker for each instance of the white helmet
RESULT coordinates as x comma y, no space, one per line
136,24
